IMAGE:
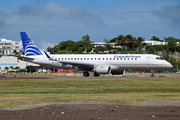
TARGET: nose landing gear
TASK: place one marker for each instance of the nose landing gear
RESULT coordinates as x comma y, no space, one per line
152,75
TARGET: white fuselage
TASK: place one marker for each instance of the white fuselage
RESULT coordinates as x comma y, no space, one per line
116,61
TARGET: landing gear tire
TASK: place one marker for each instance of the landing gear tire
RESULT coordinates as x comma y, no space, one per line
86,74
96,75
152,75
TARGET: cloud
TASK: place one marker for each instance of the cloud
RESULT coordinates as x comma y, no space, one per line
52,10
48,24
45,44
171,15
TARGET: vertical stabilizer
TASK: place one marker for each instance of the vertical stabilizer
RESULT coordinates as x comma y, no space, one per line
30,49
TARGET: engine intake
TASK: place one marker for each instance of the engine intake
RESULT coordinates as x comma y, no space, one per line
102,69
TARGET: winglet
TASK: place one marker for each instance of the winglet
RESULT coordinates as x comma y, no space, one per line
47,55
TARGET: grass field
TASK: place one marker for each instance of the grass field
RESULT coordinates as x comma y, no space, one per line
123,91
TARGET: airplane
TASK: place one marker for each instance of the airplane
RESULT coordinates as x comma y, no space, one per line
97,63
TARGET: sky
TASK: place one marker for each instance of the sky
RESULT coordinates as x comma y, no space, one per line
49,22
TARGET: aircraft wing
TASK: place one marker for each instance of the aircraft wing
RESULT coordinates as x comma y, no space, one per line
78,64
22,57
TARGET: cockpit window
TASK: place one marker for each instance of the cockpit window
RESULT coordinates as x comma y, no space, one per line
159,58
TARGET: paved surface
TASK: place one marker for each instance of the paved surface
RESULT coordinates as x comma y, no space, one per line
113,77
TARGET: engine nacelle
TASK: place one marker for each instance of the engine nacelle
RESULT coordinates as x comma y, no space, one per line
102,69
119,72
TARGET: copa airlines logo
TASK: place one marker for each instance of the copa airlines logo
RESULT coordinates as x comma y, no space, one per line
126,56
32,50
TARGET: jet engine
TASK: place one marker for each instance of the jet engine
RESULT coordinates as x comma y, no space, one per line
102,69
119,72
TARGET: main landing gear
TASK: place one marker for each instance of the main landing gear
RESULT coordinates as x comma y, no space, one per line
86,74
96,75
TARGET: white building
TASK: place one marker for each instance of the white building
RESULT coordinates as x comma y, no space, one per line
103,44
7,61
8,46
155,43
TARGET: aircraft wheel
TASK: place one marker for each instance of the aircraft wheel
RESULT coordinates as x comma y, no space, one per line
152,75
96,75
86,74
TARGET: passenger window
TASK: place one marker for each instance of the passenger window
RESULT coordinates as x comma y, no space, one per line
84,58
65,58
113,58
124,58
117,59
87,58
109,58
98,58
68,58
71,58
77,58
131,58
81,58
91,58
106,58
62,58
128,58
94,58
74,58
59,58
103,58
135,58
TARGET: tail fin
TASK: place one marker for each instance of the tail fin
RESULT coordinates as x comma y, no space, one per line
30,49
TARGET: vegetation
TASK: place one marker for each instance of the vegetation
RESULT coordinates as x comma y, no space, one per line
123,91
128,43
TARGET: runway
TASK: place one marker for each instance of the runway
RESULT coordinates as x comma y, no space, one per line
103,77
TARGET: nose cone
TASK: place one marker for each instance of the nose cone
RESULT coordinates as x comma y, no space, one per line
169,65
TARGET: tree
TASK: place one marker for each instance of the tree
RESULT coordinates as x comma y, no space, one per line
99,48
31,68
155,38
86,38
6,68
49,49
15,52
17,68
11,67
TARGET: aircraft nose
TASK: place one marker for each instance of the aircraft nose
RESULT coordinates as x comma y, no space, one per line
169,65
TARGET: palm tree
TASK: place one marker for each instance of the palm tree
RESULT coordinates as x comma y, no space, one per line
17,68
11,67
86,38
6,68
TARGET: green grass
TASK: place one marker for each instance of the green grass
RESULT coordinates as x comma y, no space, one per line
124,91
